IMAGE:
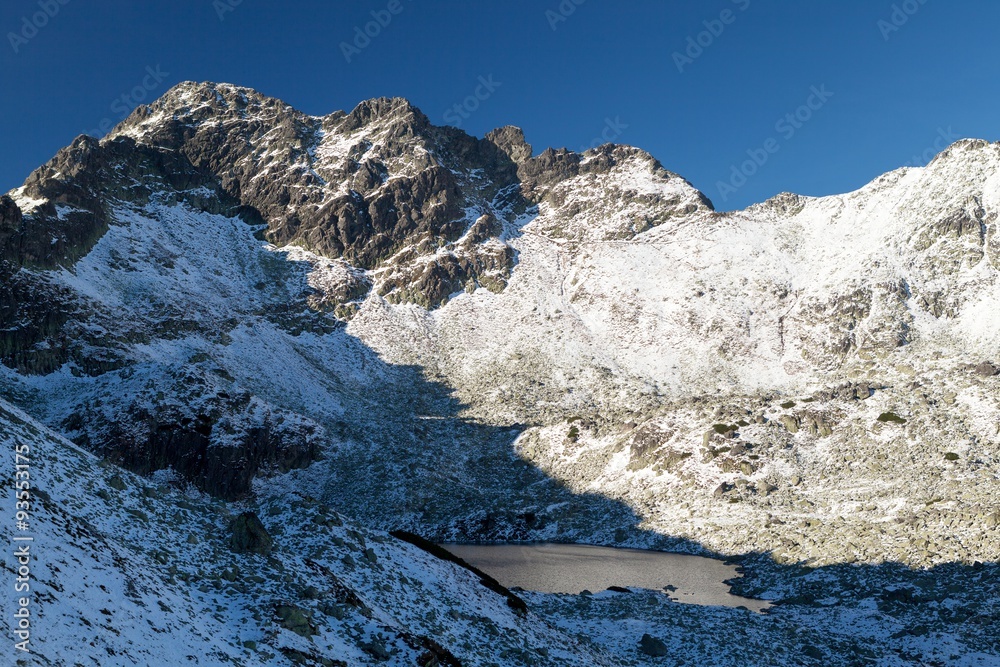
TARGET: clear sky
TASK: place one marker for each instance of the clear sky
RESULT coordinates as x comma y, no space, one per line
707,87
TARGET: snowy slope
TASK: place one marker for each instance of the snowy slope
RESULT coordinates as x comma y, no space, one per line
133,571
128,571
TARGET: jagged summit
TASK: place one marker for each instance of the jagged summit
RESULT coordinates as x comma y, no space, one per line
431,208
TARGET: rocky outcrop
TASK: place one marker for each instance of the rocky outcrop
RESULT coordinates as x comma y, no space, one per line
510,140
220,449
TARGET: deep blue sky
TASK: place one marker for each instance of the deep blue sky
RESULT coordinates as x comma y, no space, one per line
937,75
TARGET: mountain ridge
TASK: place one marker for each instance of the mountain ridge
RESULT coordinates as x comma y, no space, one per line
450,336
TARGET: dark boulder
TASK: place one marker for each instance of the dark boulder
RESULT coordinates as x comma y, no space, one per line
249,536
652,646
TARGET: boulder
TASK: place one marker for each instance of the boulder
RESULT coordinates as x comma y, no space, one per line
248,535
295,619
986,370
652,646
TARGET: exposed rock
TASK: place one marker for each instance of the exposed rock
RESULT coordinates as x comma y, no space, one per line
295,619
510,140
652,646
987,369
248,535
790,422
400,198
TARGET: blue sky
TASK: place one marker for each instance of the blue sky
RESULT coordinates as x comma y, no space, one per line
744,98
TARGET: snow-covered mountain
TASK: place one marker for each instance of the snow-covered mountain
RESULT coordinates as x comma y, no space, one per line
427,331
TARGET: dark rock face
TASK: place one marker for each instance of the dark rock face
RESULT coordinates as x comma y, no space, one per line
510,140
33,313
548,168
11,222
365,231
219,447
80,185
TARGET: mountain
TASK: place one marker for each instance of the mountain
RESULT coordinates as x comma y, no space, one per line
370,321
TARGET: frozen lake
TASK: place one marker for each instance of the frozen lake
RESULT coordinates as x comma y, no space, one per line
572,568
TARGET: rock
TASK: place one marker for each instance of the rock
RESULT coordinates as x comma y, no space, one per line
510,140
117,483
377,648
295,619
145,440
813,652
790,423
816,424
986,369
765,489
248,535
652,646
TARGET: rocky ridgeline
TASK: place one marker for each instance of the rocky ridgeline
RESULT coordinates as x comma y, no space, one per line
426,209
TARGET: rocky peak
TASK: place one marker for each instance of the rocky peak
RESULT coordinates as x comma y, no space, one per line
203,101
510,140
394,110
378,187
